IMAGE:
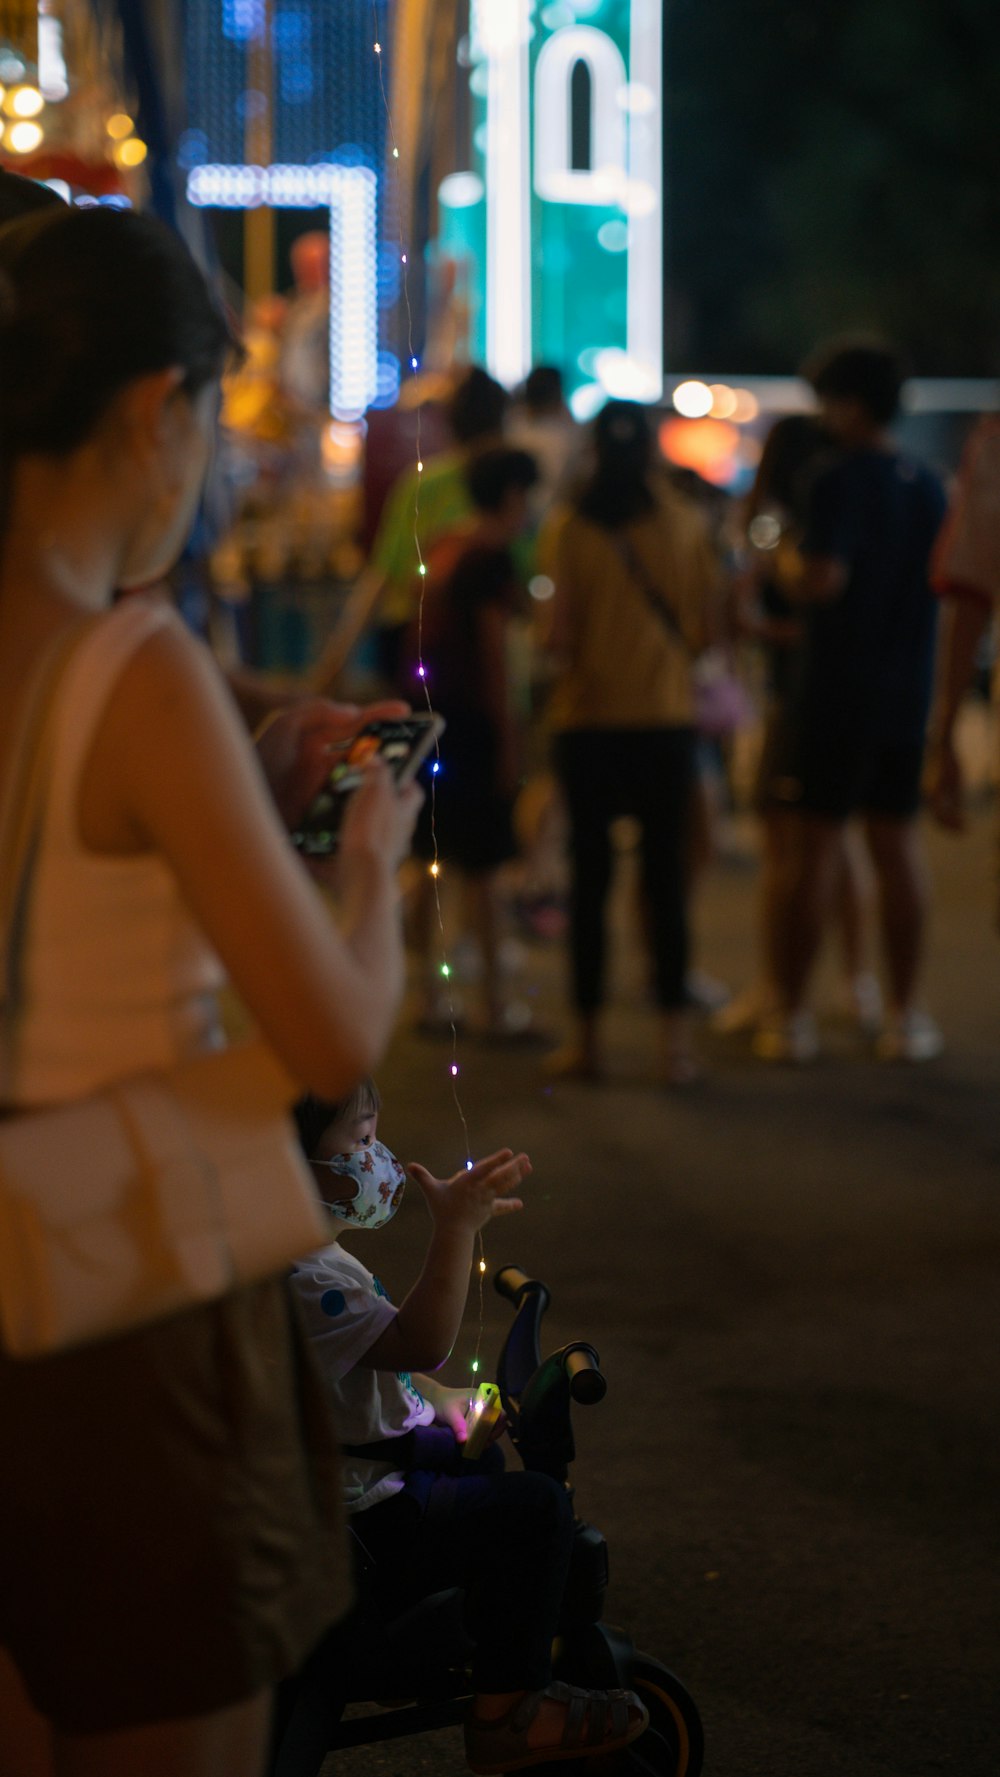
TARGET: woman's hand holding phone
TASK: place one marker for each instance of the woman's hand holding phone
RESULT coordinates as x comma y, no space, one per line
401,744
294,747
378,821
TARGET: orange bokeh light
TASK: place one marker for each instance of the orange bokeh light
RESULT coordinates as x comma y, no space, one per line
710,447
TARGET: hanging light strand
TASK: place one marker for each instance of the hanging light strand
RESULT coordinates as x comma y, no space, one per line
446,972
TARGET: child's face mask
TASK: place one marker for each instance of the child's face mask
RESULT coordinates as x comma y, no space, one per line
378,1179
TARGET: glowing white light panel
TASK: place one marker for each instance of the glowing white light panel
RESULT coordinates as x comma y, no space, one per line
350,193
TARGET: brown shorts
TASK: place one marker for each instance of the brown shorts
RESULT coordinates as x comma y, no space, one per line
171,1536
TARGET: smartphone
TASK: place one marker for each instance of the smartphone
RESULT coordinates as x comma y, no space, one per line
403,743
484,1410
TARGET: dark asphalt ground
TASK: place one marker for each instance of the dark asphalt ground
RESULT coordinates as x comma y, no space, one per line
793,1279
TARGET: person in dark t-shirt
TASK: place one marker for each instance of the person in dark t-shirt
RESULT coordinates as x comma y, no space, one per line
860,578
460,641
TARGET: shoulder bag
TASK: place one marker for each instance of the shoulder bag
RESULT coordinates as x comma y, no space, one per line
158,1192
722,703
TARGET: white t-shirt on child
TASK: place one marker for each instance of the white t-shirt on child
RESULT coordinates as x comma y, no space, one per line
345,1310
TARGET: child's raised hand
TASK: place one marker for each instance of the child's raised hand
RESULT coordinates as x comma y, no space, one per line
476,1194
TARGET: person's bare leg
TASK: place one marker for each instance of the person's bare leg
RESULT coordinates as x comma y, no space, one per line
229,1743
582,1058
25,1736
483,918
760,997
853,908
804,907
904,901
779,861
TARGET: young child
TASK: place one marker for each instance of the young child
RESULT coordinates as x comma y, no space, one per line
374,1357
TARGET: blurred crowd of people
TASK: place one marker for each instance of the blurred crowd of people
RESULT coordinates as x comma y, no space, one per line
581,618
610,639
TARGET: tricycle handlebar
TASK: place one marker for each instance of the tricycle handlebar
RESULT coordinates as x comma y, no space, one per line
586,1383
514,1284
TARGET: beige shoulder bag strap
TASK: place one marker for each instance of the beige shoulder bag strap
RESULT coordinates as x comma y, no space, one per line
23,810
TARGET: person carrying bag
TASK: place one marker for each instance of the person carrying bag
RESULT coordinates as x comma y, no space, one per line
171,1537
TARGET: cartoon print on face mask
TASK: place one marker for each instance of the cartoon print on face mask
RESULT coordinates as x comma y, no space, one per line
379,1180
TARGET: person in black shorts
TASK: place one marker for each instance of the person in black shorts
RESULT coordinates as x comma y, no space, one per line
472,593
860,579
797,450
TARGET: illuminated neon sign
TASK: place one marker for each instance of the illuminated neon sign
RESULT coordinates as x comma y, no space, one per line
565,240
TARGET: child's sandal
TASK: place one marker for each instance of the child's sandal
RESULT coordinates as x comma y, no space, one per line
596,1722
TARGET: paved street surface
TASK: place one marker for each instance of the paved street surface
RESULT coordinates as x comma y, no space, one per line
793,1279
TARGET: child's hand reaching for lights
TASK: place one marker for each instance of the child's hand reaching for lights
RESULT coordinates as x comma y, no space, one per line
426,1326
476,1194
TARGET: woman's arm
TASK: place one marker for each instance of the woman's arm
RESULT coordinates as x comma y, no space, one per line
171,770
963,625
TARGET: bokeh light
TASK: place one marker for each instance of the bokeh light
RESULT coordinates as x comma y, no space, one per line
23,138
693,400
23,101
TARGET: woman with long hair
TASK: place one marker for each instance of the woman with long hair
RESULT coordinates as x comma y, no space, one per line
634,575
169,1519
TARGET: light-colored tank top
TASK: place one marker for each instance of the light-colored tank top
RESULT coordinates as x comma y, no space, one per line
117,978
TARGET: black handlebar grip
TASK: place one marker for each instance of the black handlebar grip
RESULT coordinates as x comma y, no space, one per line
511,1281
586,1383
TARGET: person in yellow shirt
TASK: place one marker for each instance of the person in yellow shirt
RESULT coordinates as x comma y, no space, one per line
635,578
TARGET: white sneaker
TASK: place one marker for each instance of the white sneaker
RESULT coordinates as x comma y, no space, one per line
910,1036
861,1002
704,992
787,1037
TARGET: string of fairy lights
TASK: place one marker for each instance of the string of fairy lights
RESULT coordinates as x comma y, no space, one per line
434,868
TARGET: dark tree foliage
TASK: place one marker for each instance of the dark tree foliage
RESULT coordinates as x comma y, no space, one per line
833,165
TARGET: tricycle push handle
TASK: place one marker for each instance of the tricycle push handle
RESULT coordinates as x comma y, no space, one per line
586,1383
514,1284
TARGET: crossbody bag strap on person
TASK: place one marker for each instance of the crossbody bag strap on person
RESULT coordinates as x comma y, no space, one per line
655,599
21,815
722,702
164,1189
